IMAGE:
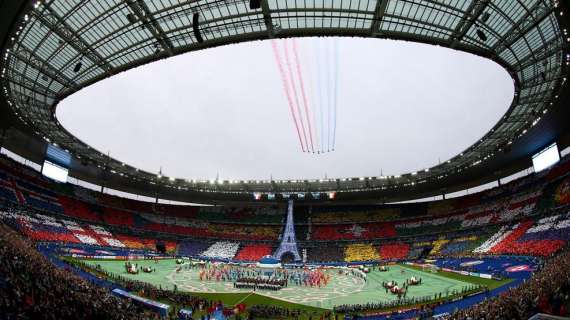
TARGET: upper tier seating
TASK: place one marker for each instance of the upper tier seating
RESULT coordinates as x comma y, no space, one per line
217,231
355,214
242,215
78,209
118,217
354,231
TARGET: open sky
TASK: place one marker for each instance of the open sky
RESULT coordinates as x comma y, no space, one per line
401,107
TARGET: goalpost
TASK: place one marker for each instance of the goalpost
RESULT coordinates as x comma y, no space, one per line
430,268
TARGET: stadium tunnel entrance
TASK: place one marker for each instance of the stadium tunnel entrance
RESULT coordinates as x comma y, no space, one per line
287,257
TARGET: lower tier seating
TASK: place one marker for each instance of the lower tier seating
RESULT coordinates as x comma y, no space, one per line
394,251
325,254
253,252
191,248
360,252
221,250
542,238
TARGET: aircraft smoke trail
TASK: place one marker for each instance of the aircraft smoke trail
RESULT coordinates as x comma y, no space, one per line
308,58
286,89
302,85
320,94
335,98
294,87
327,54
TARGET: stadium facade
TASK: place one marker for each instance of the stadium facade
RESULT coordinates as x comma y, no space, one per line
453,258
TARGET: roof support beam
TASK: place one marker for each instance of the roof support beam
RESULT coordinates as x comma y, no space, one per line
500,136
143,13
541,78
28,99
529,21
267,18
27,56
547,49
378,15
33,85
51,20
469,18
485,150
519,118
538,97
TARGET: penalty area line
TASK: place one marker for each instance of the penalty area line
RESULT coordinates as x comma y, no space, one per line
243,299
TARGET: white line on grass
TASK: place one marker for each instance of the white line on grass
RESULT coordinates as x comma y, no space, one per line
242,300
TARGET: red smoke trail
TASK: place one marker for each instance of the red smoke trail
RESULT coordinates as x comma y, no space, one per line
292,78
286,88
335,98
302,84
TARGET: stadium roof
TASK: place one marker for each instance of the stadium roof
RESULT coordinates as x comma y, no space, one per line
55,48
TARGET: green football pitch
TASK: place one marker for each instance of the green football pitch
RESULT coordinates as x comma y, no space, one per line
341,289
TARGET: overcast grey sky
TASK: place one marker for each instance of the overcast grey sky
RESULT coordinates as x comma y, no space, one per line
401,107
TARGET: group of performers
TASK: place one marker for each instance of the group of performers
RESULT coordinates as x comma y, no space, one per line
134,268
260,283
401,291
299,277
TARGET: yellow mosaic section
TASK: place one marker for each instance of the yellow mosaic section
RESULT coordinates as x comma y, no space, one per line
361,252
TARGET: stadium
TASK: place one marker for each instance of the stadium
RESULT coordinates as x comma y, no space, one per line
481,234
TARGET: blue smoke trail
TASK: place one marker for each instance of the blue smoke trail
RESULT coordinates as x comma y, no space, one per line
335,90
328,88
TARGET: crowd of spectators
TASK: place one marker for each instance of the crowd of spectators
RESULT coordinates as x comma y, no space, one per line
31,287
276,312
170,296
548,291
422,303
